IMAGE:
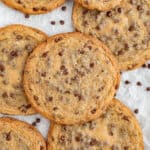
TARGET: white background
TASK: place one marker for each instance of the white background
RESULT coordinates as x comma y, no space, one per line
136,97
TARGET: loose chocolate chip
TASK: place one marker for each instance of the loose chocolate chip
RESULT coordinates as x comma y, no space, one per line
2,67
144,65
26,15
34,123
109,14
138,83
38,120
19,37
8,136
136,111
127,82
53,22
148,66
62,22
93,111
63,8
35,97
148,89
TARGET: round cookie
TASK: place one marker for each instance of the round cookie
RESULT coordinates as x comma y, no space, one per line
34,6
18,135
16,43
70,78
101,5
124,29
115,129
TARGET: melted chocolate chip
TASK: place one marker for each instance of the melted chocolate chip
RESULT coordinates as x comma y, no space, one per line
35,9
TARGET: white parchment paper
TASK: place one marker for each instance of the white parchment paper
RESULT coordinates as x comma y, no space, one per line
136,97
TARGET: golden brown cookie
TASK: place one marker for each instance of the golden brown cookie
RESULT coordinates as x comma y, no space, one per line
16,43
34,6
124,29
70,78
116,129
18,135
101,5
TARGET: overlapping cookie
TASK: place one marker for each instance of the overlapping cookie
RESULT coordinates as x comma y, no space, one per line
18,135
16,42
124,29
70,78
100,4
115,129
34,6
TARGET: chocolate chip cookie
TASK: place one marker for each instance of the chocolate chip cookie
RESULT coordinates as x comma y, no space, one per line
124,29
34,6
16,43
100,4
18,135
115,129
70,78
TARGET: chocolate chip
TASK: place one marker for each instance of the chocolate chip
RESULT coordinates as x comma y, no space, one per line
62,139
44,9
148,66
29,47
35,9
91,65
148,89
144,65
41,148
45,54
131,28
139,7
138,83
34,123
55,108
93,111
26,15
63,8
2,67
78,138
19,37
58,39
127,82
50,99
53,22
114,147
125,118
136,111
61,22
5,95
35,97
126,148
38,120
119,10
13,53
109,14
76,94
8,136
93,142
43,74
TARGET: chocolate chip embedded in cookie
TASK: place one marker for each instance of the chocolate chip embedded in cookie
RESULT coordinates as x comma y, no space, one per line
101,5
34,6
115,129
16,43
18,135
124,29
70,78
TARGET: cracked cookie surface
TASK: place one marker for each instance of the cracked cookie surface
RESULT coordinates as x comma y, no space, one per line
99,4
18,135
16,42
124,29
34,6
115,129
70,78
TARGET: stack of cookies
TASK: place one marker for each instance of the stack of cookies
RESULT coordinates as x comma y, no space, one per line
72,78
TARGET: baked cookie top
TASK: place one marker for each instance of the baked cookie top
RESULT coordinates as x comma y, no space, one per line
70,78
101,5
16,42
34,6
124,29
18,135
115,129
